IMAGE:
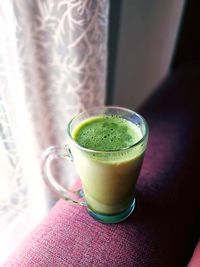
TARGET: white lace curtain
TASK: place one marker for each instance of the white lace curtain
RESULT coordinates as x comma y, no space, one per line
53,57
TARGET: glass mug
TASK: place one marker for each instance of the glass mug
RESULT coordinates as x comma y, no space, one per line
108,177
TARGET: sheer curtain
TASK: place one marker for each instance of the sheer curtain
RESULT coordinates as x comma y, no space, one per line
53,57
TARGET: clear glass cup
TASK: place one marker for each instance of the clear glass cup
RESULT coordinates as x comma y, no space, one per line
108,177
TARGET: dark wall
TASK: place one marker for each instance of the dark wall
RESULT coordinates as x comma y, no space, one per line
114,24
188,43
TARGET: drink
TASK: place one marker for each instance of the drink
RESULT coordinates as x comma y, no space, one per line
107,146
109,175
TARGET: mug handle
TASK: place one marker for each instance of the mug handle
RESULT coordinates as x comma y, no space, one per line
56,152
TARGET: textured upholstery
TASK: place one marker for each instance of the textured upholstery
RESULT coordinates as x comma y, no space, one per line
195,260
163,230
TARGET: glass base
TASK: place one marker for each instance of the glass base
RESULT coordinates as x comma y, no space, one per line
113,218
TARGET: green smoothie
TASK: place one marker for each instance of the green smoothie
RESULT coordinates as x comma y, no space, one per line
109,163
106,133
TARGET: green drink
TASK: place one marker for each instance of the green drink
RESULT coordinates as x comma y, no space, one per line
108,177
106,133
107,146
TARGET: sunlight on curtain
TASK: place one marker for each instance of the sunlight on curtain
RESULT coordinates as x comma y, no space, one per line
53,58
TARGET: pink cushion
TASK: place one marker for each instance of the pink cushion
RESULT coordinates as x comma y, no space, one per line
69,237
195,260
163,229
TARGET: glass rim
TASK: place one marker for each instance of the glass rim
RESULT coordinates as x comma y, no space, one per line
113,108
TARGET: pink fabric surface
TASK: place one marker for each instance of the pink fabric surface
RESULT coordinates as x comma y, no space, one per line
195,260
69,237
163,229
